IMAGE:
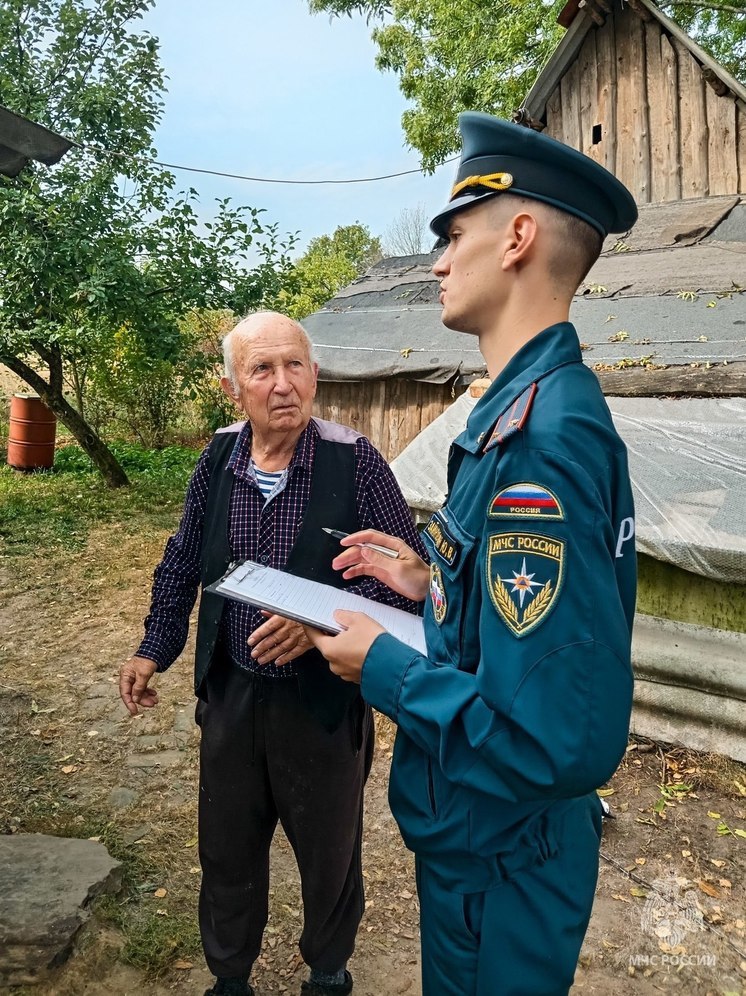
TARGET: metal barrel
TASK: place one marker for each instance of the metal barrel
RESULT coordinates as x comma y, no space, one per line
32,431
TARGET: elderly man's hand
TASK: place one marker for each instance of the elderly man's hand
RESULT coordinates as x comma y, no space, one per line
134,676
347,651
406,574
278,641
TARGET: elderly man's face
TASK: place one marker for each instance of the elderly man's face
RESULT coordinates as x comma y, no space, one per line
276,381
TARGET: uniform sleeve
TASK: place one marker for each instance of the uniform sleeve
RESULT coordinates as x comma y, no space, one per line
546,713
176,578
381,505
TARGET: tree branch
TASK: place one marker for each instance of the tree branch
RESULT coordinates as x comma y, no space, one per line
708,6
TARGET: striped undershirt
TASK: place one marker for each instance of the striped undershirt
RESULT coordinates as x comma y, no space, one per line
267,479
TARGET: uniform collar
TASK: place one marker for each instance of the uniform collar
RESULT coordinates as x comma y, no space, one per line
555,347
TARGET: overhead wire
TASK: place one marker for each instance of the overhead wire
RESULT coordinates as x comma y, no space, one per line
98,150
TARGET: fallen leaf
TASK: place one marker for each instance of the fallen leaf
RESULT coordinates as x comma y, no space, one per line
686,854
195,869
406,894
620,898
714,816
182,965
162,912
603,793
191,843
640,861
160,893
69,768
740,833
638,893
725,883
709,890
718,862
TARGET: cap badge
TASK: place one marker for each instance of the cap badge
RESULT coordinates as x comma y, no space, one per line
493,181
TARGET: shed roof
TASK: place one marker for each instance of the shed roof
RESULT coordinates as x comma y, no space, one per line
579,21
22,140
671,293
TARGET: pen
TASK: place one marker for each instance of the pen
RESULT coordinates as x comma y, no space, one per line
385,550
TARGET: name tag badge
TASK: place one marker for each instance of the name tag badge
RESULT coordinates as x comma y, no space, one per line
446,545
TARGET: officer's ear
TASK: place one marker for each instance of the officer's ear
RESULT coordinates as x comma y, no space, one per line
230,390
521,233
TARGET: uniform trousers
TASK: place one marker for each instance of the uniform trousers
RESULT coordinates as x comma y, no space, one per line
523,937
264,757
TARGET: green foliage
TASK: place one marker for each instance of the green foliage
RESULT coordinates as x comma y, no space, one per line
56,509
203,331
330,262
102,242
484,55
454,55
720,32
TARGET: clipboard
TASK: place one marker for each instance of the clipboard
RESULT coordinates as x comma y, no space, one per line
311,602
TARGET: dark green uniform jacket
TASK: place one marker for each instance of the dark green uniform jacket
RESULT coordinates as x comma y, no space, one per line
524,699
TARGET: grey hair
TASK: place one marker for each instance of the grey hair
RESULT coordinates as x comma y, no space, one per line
229,340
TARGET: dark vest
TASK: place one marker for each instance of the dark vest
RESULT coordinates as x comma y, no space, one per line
331,503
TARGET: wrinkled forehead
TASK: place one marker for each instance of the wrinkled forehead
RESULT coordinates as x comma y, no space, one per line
270,342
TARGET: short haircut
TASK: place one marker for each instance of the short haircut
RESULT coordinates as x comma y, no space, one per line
576,245
237,332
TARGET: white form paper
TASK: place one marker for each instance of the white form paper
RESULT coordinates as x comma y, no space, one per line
312,602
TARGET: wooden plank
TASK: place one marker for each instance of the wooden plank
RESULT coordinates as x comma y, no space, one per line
587,63
554,115
668,184
722,149
570,90
633,128
681,382
741,142
693,117
606,93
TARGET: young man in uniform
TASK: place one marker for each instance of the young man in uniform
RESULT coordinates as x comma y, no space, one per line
520,710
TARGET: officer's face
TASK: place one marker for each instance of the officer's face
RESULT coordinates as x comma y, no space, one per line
276,381
470,274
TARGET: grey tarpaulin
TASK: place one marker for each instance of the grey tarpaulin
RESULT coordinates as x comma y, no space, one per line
688,467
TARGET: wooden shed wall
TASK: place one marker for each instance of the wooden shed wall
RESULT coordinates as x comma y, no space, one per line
664,131
389,412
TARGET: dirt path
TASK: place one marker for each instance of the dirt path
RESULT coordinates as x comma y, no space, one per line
74,763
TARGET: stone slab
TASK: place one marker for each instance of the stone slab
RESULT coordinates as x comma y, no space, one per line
46,885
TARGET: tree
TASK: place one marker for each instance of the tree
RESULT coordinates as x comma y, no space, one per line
484,55
409,234
330,262
100,245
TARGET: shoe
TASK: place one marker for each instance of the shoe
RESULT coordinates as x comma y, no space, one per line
336,989
230,987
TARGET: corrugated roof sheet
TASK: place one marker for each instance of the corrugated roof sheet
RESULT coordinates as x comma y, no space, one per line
673,295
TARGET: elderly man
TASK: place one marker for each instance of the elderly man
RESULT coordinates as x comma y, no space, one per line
282,737
520,708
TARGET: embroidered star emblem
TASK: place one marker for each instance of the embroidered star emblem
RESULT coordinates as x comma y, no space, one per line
524,583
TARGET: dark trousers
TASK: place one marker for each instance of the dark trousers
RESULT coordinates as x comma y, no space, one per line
523,937
264,757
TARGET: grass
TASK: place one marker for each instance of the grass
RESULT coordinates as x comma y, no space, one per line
56,509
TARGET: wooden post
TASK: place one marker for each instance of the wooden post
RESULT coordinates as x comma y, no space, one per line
741,145
669,183
588,65
694,132
633,129
570,91
606,93
722,151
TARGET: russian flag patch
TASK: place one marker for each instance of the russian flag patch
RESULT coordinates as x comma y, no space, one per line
525,501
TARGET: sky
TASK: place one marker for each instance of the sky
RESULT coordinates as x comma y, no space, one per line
267,89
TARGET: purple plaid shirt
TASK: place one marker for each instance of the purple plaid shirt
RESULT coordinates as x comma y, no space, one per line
265,532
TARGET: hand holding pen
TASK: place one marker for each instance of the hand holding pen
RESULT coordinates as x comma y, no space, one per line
387,551
386,558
